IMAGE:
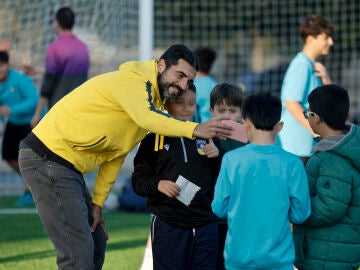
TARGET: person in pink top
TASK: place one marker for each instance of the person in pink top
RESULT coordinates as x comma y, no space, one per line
67,63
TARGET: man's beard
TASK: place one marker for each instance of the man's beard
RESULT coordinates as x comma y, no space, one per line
164,88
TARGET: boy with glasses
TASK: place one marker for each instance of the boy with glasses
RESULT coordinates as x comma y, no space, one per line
330,239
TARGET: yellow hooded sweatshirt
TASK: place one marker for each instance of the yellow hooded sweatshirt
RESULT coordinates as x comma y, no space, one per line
99,122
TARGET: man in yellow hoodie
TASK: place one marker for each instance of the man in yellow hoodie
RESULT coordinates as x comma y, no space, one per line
96,125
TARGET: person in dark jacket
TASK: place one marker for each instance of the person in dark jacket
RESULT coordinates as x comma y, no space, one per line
179,178
330,237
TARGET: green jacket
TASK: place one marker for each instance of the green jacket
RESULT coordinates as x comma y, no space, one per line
330,238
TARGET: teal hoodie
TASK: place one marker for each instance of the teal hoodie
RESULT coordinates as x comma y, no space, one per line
330,238
20,95
260,190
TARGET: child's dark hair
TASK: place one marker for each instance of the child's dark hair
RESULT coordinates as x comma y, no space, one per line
192,87
315,25
65,17
4,57
206,58
331,102
263,110
226,93
172,55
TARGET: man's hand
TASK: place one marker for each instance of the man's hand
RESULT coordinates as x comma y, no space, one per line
210,149
4,111
98,219
34,121
169,188
30,70
320,71
212,128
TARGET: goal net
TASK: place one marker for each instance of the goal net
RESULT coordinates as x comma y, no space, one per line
254,39
109,28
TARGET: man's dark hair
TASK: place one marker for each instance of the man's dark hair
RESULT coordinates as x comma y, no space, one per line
263,110
226,93
315,25
331,102
4,57
66,18
206,58
172,55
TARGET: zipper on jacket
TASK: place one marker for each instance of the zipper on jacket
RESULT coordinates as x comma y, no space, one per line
184,149
152,229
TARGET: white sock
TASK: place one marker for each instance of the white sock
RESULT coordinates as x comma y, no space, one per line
147,263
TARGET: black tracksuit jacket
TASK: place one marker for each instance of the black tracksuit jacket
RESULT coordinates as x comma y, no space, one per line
179,156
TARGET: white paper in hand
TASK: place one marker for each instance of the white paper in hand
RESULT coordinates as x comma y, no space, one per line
187,190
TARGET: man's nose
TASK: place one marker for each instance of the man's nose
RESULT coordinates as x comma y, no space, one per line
183,83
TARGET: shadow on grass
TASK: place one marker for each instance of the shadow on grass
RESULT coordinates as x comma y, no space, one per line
28,256
126,244
51,253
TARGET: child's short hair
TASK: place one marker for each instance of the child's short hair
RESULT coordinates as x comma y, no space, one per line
263,110
206,58
226,93
4,57
315,25
192,87
331,102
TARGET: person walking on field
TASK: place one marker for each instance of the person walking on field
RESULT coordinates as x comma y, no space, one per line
96,125
67,63
303,75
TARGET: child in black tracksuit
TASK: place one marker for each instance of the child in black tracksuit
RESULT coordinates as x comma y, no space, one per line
184,234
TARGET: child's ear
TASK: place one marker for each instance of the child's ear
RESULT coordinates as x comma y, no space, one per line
211,109
246,122
279,126
317,119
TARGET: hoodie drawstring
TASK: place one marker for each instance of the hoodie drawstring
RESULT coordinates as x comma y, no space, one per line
159,142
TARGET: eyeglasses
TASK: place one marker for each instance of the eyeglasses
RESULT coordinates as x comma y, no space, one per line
308,113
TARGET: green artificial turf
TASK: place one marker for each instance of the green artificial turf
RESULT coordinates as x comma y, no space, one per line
25,245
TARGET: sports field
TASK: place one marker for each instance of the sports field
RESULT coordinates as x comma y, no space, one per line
25,245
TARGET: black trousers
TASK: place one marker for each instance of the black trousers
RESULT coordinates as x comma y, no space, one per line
184,248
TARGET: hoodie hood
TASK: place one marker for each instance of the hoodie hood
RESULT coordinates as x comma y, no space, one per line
147,69
347,145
